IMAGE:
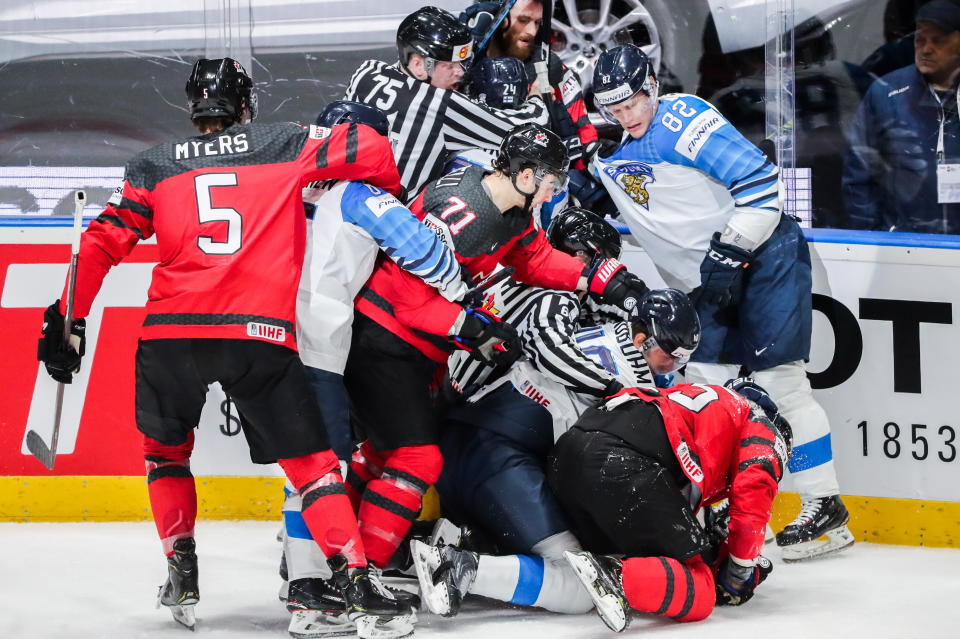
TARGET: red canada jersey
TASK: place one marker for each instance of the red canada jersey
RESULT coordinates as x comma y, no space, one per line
459,210
227,212
725,452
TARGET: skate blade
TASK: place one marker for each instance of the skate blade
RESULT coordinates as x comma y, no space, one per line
310,624
373,627
435,597
284,592
185,615
832,542
610,607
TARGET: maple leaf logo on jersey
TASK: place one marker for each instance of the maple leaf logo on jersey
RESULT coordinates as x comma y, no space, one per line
633,178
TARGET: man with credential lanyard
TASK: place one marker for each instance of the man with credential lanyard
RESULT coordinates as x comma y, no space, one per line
902,172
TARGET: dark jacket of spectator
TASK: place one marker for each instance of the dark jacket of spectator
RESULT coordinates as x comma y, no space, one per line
890,172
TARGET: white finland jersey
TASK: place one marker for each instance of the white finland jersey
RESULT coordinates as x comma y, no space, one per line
691,174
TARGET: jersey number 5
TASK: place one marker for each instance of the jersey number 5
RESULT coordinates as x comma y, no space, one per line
457,205
208,213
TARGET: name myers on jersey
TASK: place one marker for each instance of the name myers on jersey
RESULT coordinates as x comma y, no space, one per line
221,145
697,133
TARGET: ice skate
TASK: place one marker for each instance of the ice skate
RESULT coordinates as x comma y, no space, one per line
445,573
601,576
445,532
819,517
181,593
317,609
377,613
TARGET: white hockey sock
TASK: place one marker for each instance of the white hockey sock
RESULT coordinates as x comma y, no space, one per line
532,580
304,557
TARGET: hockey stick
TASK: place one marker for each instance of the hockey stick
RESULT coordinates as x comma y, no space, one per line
497,21
487,282
35,444
543,64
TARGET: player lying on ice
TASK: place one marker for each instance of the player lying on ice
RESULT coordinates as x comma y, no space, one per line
630,476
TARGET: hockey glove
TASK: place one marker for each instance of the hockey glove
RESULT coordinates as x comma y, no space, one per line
721,273
736,583
61,361
750,390
488,339
609,282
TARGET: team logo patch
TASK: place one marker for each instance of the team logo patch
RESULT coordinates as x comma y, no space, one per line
568,89
541,139
462,53
266,331
633,178
531,391
319,132
690,467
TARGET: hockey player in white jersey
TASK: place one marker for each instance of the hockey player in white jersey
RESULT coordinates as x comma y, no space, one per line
349,224
704,203
496,447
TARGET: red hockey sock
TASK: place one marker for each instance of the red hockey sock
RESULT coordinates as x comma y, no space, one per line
365,465
681,590
173,495
326,509
392,501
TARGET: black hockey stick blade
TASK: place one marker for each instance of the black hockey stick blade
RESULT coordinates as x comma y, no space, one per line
39,449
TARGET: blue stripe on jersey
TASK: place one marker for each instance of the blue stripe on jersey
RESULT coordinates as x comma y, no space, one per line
399,233
811,454
529,582
295,526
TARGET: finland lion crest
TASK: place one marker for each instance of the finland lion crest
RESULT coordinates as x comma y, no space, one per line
633,178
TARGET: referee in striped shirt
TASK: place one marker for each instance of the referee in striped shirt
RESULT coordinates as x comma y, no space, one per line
429,118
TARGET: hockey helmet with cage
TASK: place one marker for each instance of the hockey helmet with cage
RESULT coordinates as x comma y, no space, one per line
220,88
436,35
672,325
499,82
578,229
340,111
621,73
531,146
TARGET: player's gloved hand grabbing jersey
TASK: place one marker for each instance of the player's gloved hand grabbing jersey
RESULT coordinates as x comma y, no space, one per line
610,282
61,361
721,273
487,338
736,582
749,389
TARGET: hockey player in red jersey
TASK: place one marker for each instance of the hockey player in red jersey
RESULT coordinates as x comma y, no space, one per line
401,328
633,472
227,213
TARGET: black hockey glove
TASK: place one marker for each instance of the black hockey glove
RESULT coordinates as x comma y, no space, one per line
479,18
736,583
609,282
61,361
721,273
488,339
599,148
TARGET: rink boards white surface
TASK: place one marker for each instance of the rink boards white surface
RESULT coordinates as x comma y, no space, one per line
93,580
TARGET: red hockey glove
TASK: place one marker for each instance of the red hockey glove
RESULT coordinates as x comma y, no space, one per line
610,282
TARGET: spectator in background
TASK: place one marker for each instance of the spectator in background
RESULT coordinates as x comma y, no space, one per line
905,139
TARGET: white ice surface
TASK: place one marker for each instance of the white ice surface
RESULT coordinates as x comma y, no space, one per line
89,580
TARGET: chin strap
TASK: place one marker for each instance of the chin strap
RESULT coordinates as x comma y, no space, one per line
527,197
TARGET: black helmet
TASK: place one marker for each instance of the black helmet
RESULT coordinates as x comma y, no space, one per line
672,324
621,73
576,229
340,111
220,88
499,82
434,34
529,146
